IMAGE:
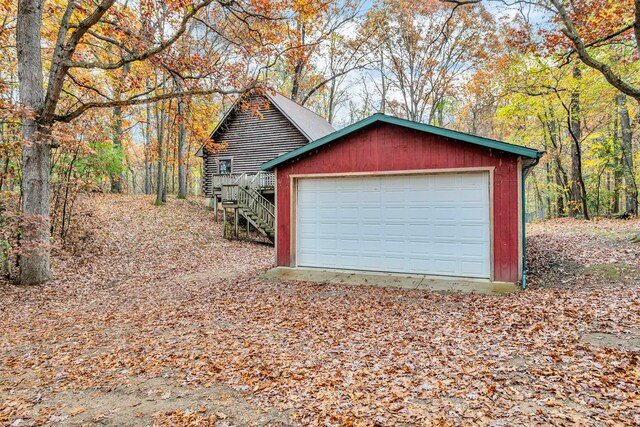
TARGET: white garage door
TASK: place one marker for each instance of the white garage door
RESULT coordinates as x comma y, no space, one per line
427,224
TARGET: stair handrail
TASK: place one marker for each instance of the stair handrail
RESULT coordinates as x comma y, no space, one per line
240,177
263,201
252,183
258,204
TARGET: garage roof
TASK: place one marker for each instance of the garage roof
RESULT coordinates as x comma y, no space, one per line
518,150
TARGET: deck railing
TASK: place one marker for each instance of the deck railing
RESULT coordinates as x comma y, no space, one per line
229,193
230,186
224,179
256,182
262,181
267,180
244,180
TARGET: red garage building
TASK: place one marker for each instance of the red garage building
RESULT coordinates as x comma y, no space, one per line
391,195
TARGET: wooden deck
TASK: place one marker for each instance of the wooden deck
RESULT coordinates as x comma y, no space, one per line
243,194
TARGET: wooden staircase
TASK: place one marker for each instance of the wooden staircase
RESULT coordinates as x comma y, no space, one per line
243,197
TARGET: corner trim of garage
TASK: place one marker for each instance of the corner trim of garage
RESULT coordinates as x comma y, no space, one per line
390,280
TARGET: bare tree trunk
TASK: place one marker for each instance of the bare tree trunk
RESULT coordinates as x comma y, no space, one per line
383,95
299,67
617,184
147,153
182,137
5,170
631,189
160,172
167,149
617,172
548,178
160,122
66,194
36,147
440,112
5,174
188,176
578,190
297,76
610,191
116,179
165,188
133,178
560,174
173,173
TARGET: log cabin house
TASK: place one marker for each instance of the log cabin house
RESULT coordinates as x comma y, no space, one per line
255,130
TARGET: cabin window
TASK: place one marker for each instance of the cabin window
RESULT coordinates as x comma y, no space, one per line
224,166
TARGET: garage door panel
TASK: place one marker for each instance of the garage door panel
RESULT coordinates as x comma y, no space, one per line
443,230
474,234
395,196
471,196
429,224
349,245
447,211
471,212
444,248
395,247
395,211
393,231
469,250
471,268
370,213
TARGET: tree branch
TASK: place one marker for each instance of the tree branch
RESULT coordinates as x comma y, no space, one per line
144,55
150,52
84,86
461,2
333,77
607,37
64,51
572,33
139,101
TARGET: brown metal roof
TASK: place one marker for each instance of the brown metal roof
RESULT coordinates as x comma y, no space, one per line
309,123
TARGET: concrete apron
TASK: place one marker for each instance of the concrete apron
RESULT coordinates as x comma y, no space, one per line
390,280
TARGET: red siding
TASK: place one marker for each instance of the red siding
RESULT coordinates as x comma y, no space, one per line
386,147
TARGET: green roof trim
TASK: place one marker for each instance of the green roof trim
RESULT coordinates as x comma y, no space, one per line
434,130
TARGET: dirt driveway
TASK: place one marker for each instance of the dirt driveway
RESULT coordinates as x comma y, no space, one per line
156,320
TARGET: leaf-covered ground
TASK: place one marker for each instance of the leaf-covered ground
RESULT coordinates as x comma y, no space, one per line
156,320
576,253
